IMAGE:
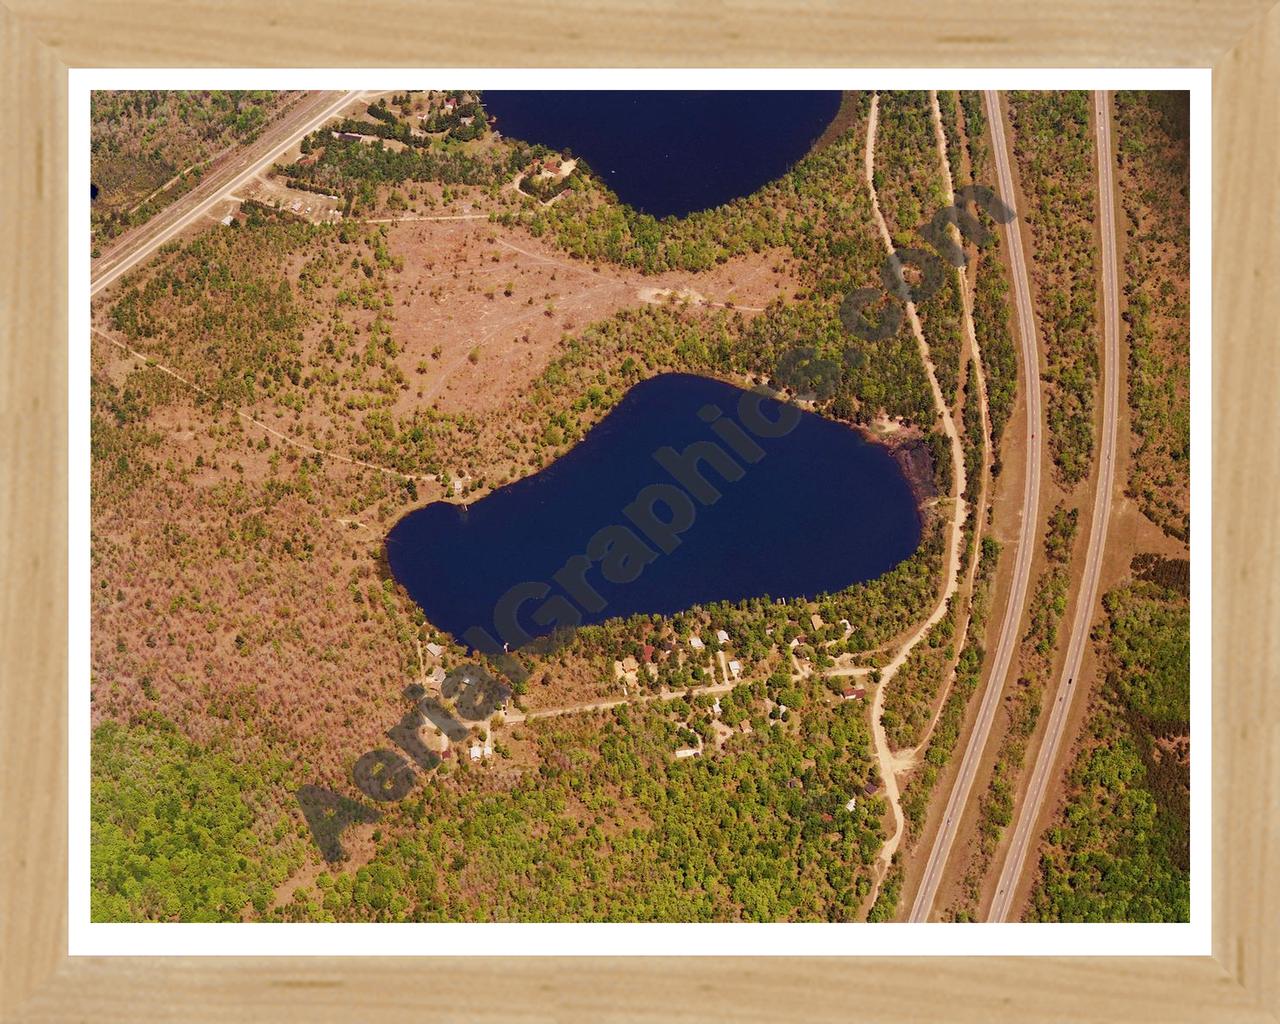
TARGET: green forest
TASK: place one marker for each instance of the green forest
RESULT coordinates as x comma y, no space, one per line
1119,852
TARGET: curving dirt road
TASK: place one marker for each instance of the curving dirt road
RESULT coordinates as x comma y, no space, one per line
134,246
1024,831
963,784
516,717
888,762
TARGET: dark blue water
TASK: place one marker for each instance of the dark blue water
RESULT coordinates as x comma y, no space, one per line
671,153
811,510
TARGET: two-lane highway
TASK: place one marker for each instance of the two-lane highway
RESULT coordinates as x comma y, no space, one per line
1009,631
131,248
1024,832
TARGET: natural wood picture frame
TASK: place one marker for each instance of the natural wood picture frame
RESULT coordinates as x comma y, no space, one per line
39,41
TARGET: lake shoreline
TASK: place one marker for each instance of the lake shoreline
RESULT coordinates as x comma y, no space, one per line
846,117
473,565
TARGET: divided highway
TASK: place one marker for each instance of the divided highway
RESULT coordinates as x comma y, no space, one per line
134,246
1025,832
1009,629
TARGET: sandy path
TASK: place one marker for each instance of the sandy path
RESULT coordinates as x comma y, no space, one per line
517,717
980,513
887,761
300,445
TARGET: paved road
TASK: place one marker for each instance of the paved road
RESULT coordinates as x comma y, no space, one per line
1009,628
131,248
1024,833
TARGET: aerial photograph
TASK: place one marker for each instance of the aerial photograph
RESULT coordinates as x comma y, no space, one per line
640,506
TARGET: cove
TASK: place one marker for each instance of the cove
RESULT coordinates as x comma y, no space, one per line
689,491
670,153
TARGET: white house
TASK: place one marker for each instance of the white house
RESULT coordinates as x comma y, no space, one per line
696,643
722,636
435,650
736,668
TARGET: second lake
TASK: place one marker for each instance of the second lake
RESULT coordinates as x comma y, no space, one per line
672,152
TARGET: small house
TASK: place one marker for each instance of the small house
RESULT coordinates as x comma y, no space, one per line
722,637
696,643
816,620
735,668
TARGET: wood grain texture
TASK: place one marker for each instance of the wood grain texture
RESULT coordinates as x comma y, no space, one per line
587,33
39,983
1246,534
33,516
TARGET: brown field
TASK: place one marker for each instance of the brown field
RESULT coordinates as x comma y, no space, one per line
266,628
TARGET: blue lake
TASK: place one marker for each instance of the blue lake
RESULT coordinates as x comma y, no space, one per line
671,153
690,491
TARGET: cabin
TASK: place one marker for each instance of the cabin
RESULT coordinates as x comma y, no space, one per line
696,643
646,654
871,788
854,693
816,620
435,650
722,637
735,668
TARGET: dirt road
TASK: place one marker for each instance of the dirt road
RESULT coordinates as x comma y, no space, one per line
134,246
963,784
889,764
516,717
1024,832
